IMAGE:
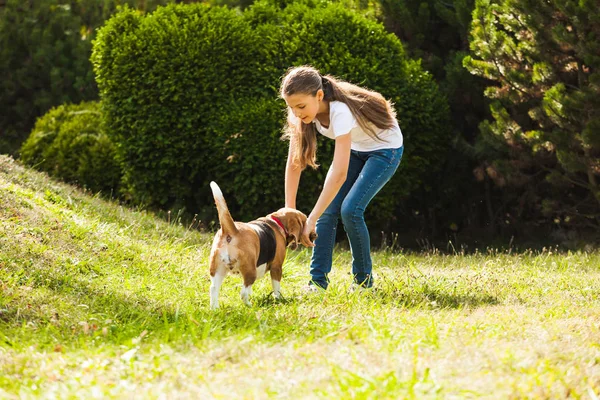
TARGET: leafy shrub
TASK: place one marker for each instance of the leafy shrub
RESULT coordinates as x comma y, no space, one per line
69,143
190,94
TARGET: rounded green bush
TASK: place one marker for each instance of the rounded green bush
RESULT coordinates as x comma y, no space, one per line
69,143
191,95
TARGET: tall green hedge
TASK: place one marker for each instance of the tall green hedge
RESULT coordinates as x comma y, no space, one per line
69,143
190,95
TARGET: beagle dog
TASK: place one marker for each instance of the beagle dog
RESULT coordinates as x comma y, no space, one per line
251,249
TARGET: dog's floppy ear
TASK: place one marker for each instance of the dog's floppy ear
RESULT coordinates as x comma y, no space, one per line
295,225
300,222
292,241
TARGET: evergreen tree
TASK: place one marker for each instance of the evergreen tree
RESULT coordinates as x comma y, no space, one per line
544,58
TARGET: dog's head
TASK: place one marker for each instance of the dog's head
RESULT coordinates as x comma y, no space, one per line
294,221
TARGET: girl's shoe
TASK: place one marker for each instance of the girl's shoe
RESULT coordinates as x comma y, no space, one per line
355,287
312,289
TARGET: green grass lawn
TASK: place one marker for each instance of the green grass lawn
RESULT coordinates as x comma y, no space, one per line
98,300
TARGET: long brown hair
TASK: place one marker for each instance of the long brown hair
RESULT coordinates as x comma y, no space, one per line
369,108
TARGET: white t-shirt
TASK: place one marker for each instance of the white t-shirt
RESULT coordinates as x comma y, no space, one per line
341,122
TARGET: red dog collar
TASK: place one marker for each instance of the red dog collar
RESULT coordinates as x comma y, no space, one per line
278,222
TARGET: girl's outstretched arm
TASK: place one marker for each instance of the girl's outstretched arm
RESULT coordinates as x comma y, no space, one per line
292,180
336,176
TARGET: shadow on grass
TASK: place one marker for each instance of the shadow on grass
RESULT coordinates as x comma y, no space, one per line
436,299
269,300
423,294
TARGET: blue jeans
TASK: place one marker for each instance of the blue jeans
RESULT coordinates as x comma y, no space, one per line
368,172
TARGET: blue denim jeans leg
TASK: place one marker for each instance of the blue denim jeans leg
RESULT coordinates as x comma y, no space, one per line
368,172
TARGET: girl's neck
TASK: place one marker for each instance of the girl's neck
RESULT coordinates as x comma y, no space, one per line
323,113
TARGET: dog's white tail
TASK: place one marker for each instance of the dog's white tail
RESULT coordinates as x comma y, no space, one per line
227,224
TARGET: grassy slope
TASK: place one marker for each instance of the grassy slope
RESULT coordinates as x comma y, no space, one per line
100,300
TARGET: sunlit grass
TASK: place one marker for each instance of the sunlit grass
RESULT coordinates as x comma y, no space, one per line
98,300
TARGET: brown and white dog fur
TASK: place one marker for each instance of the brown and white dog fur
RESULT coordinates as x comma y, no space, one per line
236,247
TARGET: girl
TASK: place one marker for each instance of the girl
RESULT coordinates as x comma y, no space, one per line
368,150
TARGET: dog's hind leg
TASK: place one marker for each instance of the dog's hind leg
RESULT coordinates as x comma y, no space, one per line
215,286
246,293
247,288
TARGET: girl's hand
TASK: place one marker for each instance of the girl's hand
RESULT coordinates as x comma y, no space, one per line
309,233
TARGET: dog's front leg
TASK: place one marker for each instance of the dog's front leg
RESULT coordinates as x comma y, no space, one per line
276,274
276,288
215,286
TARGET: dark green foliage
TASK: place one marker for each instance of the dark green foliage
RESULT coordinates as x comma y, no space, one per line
230,3
544,140
45,48
436,31
69,143
43,63
247,158
431,29
191,95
